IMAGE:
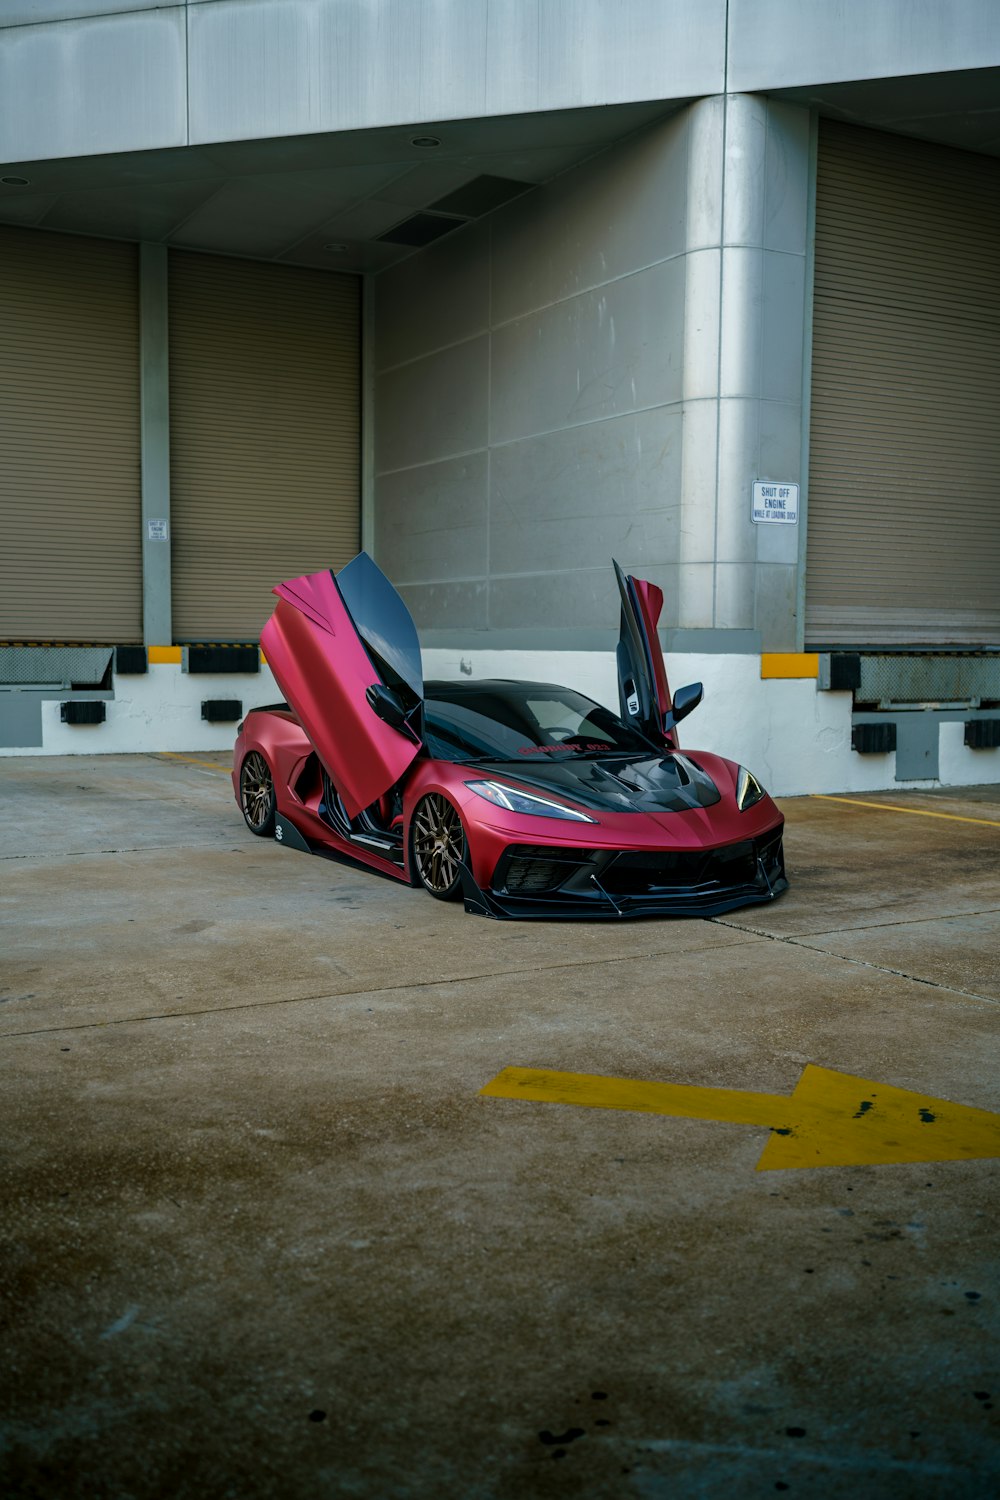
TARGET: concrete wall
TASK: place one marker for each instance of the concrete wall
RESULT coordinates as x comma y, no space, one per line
130,75
785,43
81,76
527,402
159,710
603,369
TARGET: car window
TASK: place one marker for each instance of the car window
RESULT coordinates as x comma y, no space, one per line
384,624
563,721
524,722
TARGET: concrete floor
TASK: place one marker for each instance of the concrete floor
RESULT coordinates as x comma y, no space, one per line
265,1238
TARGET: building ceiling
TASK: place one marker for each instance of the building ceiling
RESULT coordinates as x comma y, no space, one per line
318,200
362,200
954,109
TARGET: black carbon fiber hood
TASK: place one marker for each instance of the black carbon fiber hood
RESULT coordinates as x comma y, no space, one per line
671,783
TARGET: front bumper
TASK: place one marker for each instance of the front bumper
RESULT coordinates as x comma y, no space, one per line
544,882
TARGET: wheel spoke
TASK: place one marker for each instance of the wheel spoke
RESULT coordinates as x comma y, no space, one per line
257,789
438,843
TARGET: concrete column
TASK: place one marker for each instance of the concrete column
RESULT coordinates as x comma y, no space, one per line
154,420
747,230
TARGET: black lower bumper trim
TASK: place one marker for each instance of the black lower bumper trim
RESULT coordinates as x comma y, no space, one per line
602,907
610,886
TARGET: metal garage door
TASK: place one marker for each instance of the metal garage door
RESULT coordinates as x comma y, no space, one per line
69,436
264,451
904,473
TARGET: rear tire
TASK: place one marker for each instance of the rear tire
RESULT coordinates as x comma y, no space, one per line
439,847
257,800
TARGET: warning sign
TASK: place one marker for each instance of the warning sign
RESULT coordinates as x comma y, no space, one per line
775,502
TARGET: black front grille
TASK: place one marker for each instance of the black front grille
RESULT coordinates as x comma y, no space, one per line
538,869
531,869
771,853
643,874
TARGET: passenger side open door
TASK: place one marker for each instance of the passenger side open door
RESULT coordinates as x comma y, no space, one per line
643,690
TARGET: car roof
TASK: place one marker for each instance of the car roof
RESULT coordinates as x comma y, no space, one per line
499,685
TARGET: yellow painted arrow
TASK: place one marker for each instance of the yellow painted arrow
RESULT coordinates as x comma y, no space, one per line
830,1120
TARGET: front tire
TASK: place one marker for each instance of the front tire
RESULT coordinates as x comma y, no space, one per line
257,800
439,847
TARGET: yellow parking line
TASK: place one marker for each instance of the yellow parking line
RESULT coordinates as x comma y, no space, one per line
918,812
208,764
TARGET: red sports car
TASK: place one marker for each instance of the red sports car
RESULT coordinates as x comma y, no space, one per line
524,798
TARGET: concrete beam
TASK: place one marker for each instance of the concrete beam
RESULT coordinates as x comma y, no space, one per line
154,420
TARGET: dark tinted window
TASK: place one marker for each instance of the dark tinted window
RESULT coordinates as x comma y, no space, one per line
383,622
523,722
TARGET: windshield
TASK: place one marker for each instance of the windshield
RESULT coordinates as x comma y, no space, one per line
522,721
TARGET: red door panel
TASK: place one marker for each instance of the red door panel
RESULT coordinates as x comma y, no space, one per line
323,669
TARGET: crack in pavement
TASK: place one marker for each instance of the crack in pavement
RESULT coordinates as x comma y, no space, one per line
949,916
386,989
126,849
861,963
746,932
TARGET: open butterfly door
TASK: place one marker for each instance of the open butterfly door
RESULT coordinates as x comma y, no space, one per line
643,690
332,643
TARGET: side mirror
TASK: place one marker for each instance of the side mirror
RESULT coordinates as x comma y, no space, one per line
686,700
387,704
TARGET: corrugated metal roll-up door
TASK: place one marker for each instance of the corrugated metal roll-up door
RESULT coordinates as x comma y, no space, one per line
70,551
265,442
904,471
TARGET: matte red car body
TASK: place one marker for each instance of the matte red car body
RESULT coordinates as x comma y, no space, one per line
314,652
299,790
327,643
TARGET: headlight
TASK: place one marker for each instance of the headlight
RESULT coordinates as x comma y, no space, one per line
512,800
748,789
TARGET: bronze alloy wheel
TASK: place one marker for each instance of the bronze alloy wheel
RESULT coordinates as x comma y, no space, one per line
257,794
439,847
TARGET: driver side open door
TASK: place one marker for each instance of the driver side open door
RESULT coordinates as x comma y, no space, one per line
329,642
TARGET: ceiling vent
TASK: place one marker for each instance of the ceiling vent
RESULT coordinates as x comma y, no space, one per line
420,229
481,196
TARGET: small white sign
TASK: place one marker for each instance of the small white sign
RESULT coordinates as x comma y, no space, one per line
775,502
158,531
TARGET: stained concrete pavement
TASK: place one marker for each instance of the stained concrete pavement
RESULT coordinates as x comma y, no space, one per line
264,1237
